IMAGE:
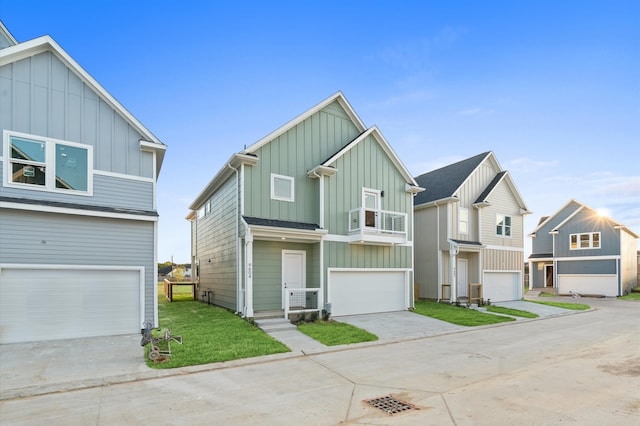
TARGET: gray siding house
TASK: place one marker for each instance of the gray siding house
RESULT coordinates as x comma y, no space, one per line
469,230
78,219
316,215
577,250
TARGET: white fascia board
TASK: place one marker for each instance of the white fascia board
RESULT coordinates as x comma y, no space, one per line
46,43
321,170
77,212
440,202
554,215
223,174
338,96
564,222
489,154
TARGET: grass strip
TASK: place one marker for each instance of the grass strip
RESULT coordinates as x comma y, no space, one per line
332,333
457,315
564,305
511,311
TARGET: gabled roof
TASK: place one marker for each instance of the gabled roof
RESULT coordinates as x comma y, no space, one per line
445,181
386,147
580,207
42,44
6,39
336,97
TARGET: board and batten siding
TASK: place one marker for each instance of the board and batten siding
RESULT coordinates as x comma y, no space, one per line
426,252
502,260
365,165
119,192
30,237
502,202
293,153
543,241
216,246
43,97
267,271
588,220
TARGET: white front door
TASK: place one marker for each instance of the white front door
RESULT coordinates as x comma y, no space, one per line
462,279
294,276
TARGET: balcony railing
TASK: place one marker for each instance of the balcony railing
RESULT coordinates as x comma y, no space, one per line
377,226
299,300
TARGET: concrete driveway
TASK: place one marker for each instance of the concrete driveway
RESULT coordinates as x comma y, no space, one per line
44,367
569,369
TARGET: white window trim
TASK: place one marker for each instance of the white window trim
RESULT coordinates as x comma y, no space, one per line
49,185
290,199
460,210
504,226
590,234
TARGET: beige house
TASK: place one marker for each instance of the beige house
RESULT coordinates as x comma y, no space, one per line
469,232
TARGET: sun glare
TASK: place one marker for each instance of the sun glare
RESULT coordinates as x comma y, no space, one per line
603,212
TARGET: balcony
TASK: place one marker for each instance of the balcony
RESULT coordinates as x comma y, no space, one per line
377,227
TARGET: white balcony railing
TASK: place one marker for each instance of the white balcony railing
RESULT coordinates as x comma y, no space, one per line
298,300
377,226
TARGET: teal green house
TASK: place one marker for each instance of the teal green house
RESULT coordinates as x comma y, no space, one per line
317,215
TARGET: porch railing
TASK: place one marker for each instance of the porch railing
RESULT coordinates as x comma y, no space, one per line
377,221
297,300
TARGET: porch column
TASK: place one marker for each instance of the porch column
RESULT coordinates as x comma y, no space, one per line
453,252
248,272
322,286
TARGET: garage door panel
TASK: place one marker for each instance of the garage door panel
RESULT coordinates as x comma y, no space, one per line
363,292
501,286
604,284
49,304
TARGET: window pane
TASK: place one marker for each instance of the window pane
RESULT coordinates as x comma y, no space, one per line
26,173
507,220
596,240
282,188
507,231
574,241
71,167
24,149
584,240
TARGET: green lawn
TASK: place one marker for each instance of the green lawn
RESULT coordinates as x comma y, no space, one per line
510,311
210,334
634,295
332,333
457,315
565,305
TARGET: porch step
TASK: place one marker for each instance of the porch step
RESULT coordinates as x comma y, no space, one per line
262,315
270,325
532,293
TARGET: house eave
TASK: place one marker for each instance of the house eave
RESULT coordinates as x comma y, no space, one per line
441,201
321,170
273,233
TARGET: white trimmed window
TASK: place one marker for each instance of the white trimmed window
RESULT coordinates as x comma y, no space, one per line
587,240
463,220
282,188
47,164
503,225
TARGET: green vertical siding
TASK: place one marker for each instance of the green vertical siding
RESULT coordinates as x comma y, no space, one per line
267,271
292,154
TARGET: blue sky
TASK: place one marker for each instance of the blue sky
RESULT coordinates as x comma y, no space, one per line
552,87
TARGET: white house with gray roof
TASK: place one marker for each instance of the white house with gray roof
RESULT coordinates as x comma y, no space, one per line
469,232
78,217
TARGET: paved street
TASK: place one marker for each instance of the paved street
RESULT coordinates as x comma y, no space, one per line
575,369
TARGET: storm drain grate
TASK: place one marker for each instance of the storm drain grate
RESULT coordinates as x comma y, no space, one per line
390,405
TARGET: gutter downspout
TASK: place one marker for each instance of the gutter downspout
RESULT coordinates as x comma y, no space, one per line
239,295
321,299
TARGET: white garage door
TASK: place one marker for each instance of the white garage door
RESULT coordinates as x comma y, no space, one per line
365,291
49,304
501,286
605,284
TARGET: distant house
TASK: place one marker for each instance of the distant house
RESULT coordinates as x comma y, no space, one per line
577,250
316,215
78,219
469,229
